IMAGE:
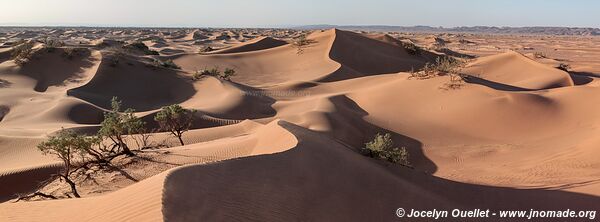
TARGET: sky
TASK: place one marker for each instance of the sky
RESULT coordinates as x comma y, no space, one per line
287,13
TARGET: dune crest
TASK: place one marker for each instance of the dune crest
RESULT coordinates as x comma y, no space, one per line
516,70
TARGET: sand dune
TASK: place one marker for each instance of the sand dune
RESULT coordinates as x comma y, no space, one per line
517,71
281,141
257,44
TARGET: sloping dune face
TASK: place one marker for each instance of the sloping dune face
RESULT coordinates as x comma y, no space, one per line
517,71
331,55
139,85
361,56
260,43
305,179
282,140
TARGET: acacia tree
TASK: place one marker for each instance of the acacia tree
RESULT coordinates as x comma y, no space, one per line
67,145
175,119
116,126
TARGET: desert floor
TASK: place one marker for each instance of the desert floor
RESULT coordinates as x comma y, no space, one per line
281,140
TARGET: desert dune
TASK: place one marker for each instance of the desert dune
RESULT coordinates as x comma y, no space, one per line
282,139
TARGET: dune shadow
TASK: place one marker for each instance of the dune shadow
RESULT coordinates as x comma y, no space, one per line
494,85
359,56
453,53
351,129
138,85
56,67
582,78
321,180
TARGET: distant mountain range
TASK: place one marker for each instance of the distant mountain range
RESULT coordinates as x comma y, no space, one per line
474,29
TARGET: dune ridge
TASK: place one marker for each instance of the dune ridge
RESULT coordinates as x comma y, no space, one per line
282,140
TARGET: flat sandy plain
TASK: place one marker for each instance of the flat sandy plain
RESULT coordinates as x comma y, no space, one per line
281,140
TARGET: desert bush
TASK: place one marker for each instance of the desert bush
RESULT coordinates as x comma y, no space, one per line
564,67
170,64
114,56
70,53
67,146
382,147
22,53
205,49
140,46
142,139
539,55
113,61
228,73
175,119
301,43
165,64
50,44
116,126
216,72
442,66
198,75
411,48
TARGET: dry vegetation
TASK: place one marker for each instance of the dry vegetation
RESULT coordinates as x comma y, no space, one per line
301,43
22,53
382,147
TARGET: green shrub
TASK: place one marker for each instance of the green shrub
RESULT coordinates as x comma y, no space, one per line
117,125
382,147
67,146
227,74
216,72
175,119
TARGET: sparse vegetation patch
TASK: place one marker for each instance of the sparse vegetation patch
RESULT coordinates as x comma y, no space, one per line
382,147
564,67
301,43
215,72
22,53
175,119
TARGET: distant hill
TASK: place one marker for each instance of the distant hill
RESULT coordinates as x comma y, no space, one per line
473,29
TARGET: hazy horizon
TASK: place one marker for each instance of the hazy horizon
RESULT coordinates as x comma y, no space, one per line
285,13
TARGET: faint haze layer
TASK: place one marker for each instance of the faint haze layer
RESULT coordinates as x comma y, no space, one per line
287,13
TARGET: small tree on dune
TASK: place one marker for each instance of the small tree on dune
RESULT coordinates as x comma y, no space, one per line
67,146
116,126
175,119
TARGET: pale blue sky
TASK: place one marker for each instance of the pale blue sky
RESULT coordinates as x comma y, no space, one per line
278,13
